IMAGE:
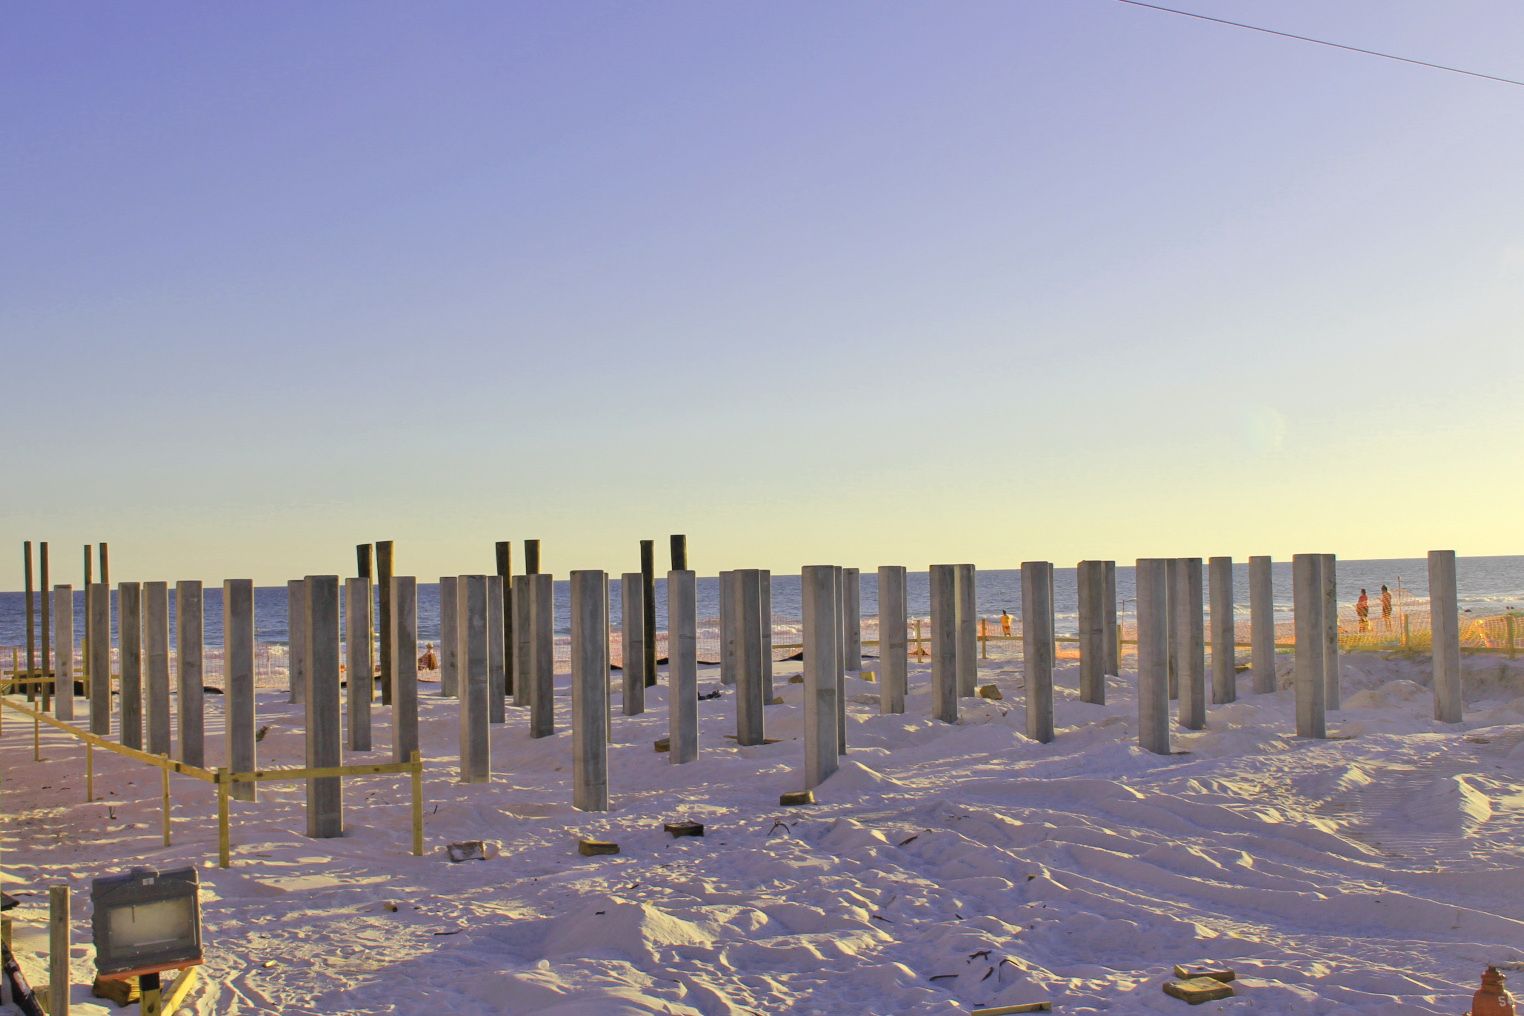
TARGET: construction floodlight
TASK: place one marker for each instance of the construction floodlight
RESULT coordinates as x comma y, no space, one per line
146,922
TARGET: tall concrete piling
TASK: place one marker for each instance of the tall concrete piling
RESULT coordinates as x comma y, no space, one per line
296,639
357,661
1307,602
632,614
471,614
677,545
1094,635
46,599
647,614
542,656
190,719
944,639
1224,655
99,623
750,721
449,636
320,692
1261,625
238,696
966,607
402,625
892,618
156,665
129,628
682,666
1113,630
727,627
1171,569
84,649
523,640
1331,697
532,557
838,582
1037,647
852,618
386,563
1189,642
1444,622
1152,577
589,690
767,635
503,551
821,604
497,656
29,608
63,652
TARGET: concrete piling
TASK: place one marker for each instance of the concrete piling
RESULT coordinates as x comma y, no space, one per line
63,652
589,690
324,742
99,623
129,626
1331,696
747,600
966,607
542,659
1190,642
449,636
497,656
1037,647
1444,621
1307,597
472,615
358,663
1261,625
238,695
682,666
632,615
1224,655
190,718
944,637
892,662
852,618
1094,635
296,639
156,666
821,603
1153,655
402,626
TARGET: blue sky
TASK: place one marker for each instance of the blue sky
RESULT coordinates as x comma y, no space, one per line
852,282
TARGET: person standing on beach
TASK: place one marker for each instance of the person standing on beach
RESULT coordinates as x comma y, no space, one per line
1005,623
1386,608
1363,611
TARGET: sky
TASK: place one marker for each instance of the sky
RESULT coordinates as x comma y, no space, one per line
859,283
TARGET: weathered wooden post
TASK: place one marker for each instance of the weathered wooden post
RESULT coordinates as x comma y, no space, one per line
1224,655
58,947
296,639
1444,626
1152,579
403,626
750,716
532,557
325,794
632,619
386,564
821,601
504,554
1190,642
966,656
1261,625
1094,634
891,638
589,688
156,666
542,655
362,560
99,623
1037,647
475,743
357,660
944,636
497,655
189,627
682,666
238,699
1307,596
449,636
63,652
679,551
647,613
129,625
1331,697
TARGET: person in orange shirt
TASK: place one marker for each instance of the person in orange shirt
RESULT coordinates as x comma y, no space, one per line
1005,623
1363,611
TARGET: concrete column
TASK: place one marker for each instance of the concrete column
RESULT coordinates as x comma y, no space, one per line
727,628
129,627
1331,696
542,655
156,665
238,695
1261,625
403,626
504,554
747,600
821,604
944,637
1444,624
385,569
358,661
1113,636
190,716
589,690
1171,568
1224,656
1037,647
647,615
1153,655
296,639
325,795
63,652
1307,597
471,615
632,617
1190,642
449,637
967,610
891,638
852,618
682,667
523,640
99,623
497,658
838,582
767,636
1095,638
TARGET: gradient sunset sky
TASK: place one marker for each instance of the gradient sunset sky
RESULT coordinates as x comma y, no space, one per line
859,283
